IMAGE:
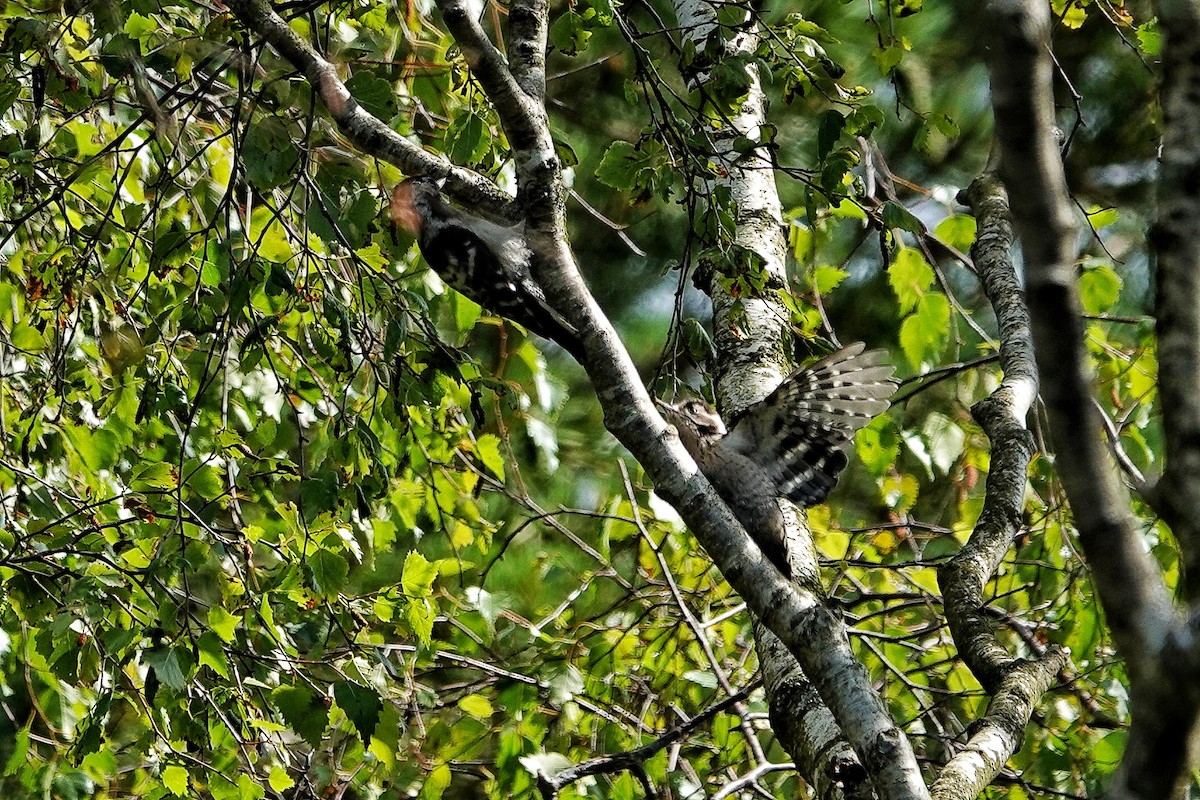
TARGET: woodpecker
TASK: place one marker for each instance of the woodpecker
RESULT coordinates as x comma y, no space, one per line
792,444
485,260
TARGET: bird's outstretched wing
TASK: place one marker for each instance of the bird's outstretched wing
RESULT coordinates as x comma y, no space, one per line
800,433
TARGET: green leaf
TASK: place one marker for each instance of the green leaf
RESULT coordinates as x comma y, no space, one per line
827,278
20,749
249,789
828,131
419,614
156,475
466,312
362,706
467,139
570,34
835,173
329,571
176,779
910,277
638,169
222,623
958,231
1103,217
10,90
211,654
900,492
268,153
1099,287
1108,751
167,667
566,154
897,216
864,120
888,58
1150,38
303,711
923,334
945,125
138,26
418,576
701,677
100,765
477,706
206,482
436,783
488,449
373,93
877,446
27,338
373,257
619,166
279,779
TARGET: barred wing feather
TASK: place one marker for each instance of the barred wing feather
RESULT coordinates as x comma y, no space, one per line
800,433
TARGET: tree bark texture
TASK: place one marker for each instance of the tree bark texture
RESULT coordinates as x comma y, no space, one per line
1176,249
1015,684
1159,648
753,345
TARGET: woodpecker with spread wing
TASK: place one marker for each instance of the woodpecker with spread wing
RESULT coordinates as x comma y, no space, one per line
485,260
792,444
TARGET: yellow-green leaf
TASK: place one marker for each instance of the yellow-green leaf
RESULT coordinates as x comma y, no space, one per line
222,623
910,277
488,448
157,475
175,778
419,574
477,706
420,618
279,779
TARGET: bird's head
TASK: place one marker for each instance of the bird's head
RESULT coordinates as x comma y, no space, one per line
412,200
695,420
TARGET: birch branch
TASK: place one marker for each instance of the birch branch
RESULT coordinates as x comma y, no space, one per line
1016,685
364,130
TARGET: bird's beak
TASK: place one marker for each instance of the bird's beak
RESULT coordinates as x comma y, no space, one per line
665,406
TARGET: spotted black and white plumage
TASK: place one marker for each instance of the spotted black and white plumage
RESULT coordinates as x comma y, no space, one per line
485,260
792,444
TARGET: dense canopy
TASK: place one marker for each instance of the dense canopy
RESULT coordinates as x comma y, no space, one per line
283,515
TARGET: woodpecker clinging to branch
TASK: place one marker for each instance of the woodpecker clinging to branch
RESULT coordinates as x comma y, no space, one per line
485,260
792,444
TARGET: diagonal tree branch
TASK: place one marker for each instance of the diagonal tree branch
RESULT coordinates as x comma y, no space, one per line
1002,417
805,726
812,633
753,341
364,130
522,115
528,25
